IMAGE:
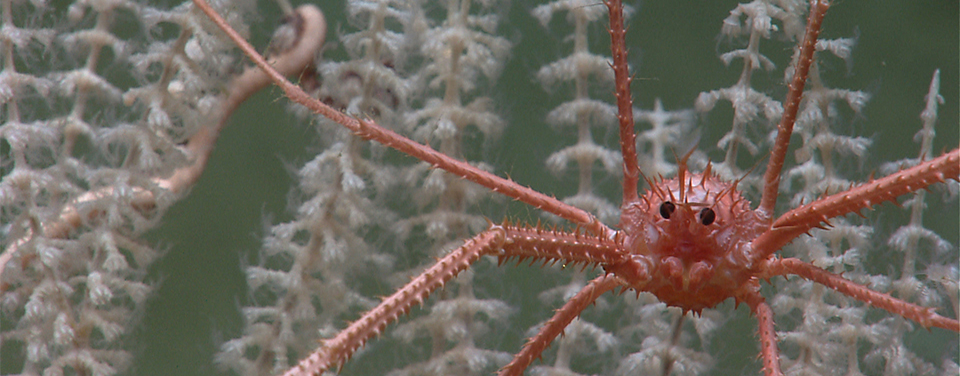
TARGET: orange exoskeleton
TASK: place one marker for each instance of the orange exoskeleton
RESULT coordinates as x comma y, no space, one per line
692,241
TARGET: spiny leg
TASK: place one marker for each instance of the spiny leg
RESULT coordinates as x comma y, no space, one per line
923,315
937,170
369,130
506,242
802,219
765,330
335,351
558,246
771,179
554,327
628,139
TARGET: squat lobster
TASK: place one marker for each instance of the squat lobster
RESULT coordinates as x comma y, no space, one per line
692,241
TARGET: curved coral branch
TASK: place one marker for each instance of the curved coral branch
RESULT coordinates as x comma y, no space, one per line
370,130
312,29
312,32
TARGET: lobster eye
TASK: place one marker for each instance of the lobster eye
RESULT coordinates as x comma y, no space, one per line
667,208
707,216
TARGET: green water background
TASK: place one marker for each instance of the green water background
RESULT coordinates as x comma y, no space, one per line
200,282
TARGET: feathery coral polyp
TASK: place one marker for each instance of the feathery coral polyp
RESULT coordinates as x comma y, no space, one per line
667,248
112,111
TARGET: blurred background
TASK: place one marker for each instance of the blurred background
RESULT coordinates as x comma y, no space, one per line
210,236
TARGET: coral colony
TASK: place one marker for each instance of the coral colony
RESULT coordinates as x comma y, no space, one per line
112,111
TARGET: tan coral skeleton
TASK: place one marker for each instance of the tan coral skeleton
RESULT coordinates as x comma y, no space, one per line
692,241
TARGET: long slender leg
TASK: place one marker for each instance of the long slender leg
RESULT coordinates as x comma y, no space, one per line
768,339
557,246
937,170
369,130
768,335
554,327
802,219
337,350
923,315
628,139
504,241
771,179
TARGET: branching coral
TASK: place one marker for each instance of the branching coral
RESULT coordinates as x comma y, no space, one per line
92,137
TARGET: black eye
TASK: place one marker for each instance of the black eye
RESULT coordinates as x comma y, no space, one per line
667,208
707,216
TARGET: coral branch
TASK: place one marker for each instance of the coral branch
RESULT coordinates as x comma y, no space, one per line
771,179
199,147
535,346
336,351
312,27
372,131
